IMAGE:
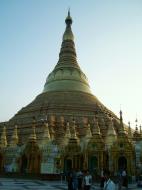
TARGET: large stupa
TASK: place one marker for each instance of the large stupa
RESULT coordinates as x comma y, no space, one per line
67,123
66,95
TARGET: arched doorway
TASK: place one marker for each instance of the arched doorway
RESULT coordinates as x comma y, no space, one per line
122,163
106,160
34,161
1,163
67,165
93,164
24,164
31,158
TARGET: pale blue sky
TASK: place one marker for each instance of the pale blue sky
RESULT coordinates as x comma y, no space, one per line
108,38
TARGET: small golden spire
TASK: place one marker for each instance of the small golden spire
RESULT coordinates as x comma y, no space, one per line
73,135
111,136
111,130
122,129
68,133
46,135
52,133
33,134
88,132
121,118
3,137
129,130
14,140
96,129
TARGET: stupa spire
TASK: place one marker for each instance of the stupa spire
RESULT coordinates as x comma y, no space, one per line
122,130
111,136
96,129
129,130
68,53
14,140
32,137
111,131
88,132
68,20
67,75
73,134
46,135
68,133
3,138
121,118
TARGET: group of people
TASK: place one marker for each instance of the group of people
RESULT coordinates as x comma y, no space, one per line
107,184
78,180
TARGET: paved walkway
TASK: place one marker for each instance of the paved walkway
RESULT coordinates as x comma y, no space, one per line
22,184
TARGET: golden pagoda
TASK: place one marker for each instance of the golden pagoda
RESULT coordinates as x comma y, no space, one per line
71,127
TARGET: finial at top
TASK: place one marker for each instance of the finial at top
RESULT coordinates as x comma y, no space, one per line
68,20
69,12
120,115
136,120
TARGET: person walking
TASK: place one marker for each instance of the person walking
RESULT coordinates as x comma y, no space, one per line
102,179
87,181
70,179
109,184
124,179
79,179
74,180
119,180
